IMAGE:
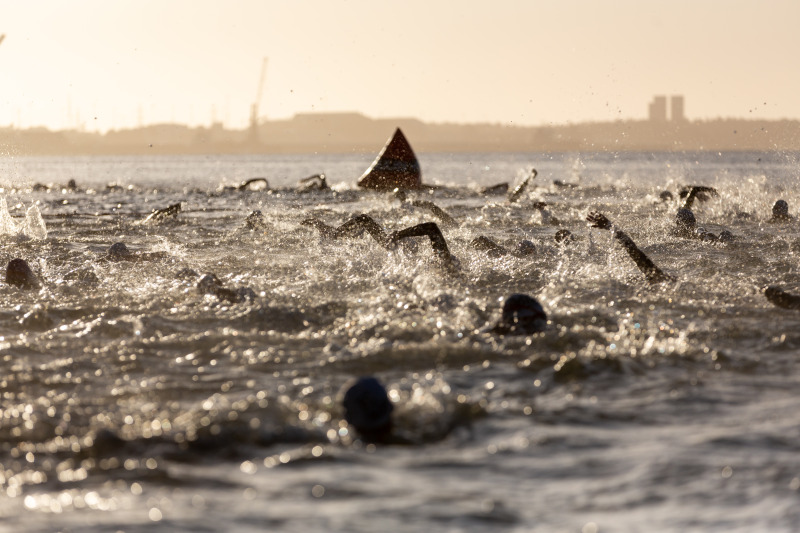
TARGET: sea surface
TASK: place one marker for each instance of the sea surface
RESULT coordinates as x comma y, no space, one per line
132,401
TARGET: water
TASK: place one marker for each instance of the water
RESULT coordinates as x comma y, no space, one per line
131,402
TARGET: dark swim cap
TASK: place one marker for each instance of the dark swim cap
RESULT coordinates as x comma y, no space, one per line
685,218
367,408
780,209
521,315
118,249
525,247
19,274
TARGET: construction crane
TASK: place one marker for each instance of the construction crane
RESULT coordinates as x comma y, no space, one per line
257,102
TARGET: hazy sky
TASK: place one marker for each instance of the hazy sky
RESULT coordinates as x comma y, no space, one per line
122,63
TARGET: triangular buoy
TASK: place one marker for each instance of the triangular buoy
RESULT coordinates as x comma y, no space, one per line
396,167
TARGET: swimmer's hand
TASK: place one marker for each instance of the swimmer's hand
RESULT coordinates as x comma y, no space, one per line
598,220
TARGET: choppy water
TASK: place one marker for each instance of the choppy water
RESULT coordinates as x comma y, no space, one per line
132,402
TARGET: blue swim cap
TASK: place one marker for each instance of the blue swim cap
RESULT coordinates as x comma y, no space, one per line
367,407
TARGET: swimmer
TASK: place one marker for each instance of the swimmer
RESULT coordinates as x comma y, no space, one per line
19,274
780,212
517,192
159,215
316,182
119,252
564,236
429,229
368,410
522,315
352,228
686,227
246,184
211,284
361,223
651,272
492,249
665,196
781,298
547,217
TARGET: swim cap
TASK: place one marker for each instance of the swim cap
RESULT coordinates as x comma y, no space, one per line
367,408
521,315
780,209
525,247
118,249
19,274
685,217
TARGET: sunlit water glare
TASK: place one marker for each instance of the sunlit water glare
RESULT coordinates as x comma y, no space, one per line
133,402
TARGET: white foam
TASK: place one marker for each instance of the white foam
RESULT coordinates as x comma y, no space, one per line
31,228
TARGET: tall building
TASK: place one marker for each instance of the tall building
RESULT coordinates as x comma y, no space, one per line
676,109
658,109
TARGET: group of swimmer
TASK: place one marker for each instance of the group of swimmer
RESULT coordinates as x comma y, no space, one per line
367,407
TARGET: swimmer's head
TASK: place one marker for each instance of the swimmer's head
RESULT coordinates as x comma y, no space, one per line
367,408
726,236
19,274
564,236
209,284
522,315
524,247
665,196
685,219
118,249
780,209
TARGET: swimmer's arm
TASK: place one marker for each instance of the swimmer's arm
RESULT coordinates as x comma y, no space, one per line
437,211
426,229
325,230
651,272
698,191
359,223
251,181
514,196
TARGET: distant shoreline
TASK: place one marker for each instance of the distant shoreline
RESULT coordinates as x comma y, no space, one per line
342,133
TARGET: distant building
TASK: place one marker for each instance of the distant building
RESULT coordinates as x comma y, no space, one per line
658,109
676,109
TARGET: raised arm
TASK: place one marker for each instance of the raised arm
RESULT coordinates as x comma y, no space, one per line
699,192
517,192
328,232
359,223
426,229
651,272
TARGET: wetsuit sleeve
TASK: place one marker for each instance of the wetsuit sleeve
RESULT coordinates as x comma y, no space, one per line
357,224
426,229
645,265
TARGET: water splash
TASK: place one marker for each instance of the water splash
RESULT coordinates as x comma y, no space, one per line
32,228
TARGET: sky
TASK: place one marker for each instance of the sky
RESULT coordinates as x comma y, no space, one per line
100,65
